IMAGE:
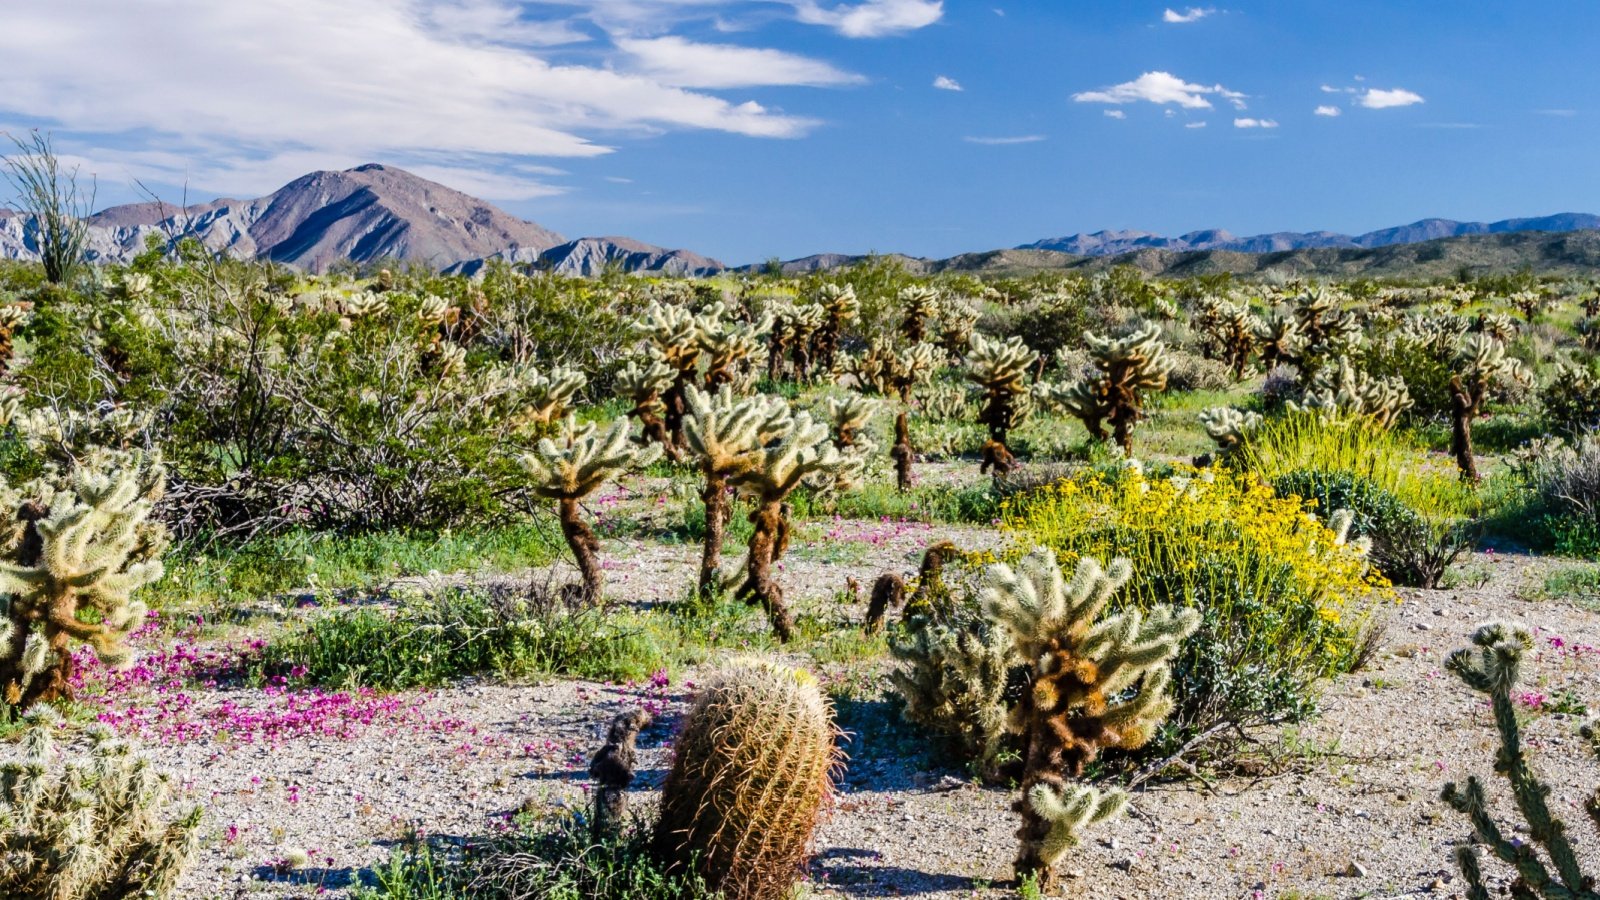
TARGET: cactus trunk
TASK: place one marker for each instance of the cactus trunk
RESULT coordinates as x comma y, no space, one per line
585,548
766,546
902,453
1462,412
715,497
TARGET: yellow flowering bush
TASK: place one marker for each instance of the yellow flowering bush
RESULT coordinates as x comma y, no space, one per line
1285,600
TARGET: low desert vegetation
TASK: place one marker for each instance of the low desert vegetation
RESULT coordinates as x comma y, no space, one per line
1192,504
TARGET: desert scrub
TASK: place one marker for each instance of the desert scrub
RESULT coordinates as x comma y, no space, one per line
453,632
553,861
1284,599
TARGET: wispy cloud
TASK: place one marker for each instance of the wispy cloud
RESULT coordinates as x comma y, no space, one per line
873,18
358,81
1192,14
945,83
1329,111
1374,98
1562,113
1194,124
1116,114
1161,87
1254,123
683,63
1005,141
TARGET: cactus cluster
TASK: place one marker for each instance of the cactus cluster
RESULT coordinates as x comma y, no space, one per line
1571,398
751,771
92,828
1492,668
76,550
644,383
1129,368
921,306
1093,683
1228,330
1344,393
1228,426
953,678
571,467
891,370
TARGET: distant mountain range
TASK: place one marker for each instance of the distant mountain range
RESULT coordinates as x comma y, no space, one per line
1113,243
371,212
375,212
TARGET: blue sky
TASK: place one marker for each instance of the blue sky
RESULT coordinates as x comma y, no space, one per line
747,129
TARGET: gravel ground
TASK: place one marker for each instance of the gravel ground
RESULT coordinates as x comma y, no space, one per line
1354,814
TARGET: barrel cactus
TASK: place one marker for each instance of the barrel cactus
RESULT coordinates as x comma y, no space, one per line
752,770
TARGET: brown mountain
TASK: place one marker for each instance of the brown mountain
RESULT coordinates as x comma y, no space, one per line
367,213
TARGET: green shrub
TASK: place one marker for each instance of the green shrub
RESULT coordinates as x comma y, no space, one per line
1407,548
454,632
1284,600
555,862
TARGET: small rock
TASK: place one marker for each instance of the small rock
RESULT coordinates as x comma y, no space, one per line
1355,870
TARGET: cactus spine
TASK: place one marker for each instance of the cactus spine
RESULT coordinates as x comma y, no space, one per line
1077,701
725,437
1493,670
751,771
571,469
90,829
1130,367
71,573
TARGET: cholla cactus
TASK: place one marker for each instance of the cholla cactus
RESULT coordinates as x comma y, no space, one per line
78,550
63,435
573,467
1001,369
1228,426
752,769
1280,339
839,305
848,415
1531,304
953,680
1492,670
1499,326
921,306
612,768
89,829
1480,362
1571,399
794,329
673,334
12,317
644,383
1092,684
729,345
1231,329
1345,393
956,321
890,370
1326,330
550,396
945,405
724,436
801,452
1129,368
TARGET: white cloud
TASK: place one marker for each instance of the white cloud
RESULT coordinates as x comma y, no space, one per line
1161,87
1373,98
1562,113
1330,89
1329,111
618,179
1116,114
945,83
1254,123
275,89
872,18
679,62
1005,141
1194,125
1192,14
